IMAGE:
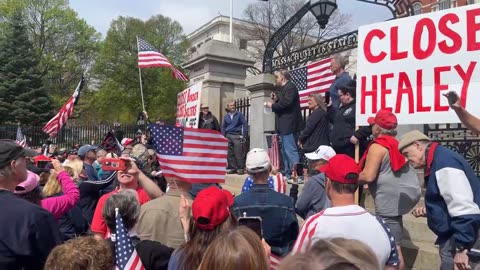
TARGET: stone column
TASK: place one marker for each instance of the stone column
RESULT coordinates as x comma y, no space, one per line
221,66
260,88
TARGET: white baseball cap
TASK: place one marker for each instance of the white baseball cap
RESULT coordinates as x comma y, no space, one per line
323,152
257,161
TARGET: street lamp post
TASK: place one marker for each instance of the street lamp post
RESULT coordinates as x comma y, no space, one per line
322,10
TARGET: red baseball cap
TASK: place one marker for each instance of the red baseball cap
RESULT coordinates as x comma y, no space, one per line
339,167
384,119
211,207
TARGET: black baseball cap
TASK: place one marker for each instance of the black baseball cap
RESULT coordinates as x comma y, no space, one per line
10,150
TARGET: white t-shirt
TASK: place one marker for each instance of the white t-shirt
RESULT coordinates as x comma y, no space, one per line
350,222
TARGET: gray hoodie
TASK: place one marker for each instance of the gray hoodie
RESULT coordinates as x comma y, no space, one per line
313,198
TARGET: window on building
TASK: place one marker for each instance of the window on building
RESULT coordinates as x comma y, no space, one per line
444,4
470,2
417,8
243,44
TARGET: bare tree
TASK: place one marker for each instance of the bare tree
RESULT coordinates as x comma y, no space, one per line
267,17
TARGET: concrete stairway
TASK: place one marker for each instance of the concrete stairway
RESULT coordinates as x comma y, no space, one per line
419,250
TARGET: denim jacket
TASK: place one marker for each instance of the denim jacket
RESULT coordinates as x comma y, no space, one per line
279,221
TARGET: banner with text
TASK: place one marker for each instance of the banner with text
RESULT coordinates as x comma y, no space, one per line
406,66
188,106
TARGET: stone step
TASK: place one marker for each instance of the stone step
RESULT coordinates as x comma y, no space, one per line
420,255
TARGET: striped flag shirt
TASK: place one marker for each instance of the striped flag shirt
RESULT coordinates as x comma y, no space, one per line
150,57
190,154
313,78
55,124
20,139
126,257
274,262
276,182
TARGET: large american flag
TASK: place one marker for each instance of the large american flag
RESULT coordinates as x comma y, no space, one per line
150,57
273,150
55,124
314,78
20,139
126,257
190,154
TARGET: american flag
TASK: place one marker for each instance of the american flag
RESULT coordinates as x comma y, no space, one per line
126,257
150,57
274,262
190,154
111,143
21,140
55,124
314,78
273,152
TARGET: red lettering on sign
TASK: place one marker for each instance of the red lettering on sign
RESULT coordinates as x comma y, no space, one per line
396,55
466,77
418,52
367,46
448,32
472,28
372,93
404,87
420,107
438,87
384,91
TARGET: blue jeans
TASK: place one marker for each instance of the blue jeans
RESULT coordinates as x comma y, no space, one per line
289,153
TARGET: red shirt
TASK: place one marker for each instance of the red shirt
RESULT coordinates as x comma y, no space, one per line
98,223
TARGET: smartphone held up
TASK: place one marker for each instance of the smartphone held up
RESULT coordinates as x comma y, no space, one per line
253,223
113,164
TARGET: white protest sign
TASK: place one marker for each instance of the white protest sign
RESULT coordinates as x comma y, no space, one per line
188,106
406,66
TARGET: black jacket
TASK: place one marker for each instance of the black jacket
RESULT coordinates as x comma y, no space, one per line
209,121
72,223
91,191
343,120
287,110
316,131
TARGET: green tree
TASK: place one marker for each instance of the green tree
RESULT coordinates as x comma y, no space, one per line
118,96
23,97
66,45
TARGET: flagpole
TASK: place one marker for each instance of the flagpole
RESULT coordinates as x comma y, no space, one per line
140,79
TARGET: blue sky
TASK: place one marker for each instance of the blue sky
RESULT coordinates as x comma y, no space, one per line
194,13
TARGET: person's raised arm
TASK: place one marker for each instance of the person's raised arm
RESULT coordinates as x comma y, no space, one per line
146,183
60,205
467,119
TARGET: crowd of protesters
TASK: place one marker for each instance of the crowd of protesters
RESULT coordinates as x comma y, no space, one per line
60,209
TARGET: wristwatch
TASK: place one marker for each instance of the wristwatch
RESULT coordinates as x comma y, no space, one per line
460,249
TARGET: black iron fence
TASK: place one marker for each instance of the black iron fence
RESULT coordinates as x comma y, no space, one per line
457,138
71,134
243,105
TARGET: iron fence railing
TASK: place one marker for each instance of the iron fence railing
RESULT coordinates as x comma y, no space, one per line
71,134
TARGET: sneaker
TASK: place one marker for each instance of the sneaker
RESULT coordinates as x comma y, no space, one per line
289,180
231,171
240,172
